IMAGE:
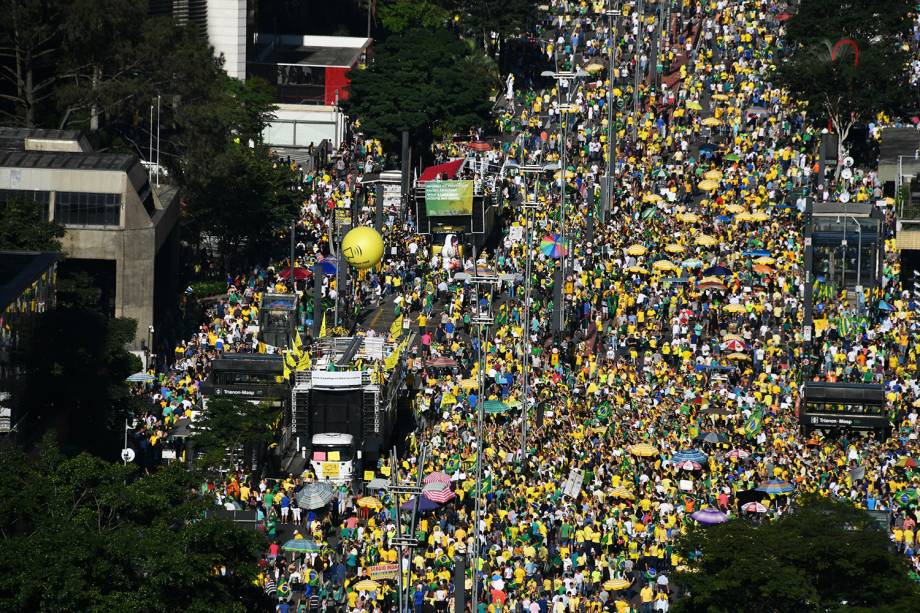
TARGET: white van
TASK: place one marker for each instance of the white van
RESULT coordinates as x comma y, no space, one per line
332,457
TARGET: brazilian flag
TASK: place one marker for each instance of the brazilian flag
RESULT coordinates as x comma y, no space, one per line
754,423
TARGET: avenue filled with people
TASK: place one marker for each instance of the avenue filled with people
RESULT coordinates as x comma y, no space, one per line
673,383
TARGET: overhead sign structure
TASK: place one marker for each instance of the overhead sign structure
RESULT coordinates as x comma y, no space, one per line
449,198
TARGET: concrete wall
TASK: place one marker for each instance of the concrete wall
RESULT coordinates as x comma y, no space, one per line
227,34
132,247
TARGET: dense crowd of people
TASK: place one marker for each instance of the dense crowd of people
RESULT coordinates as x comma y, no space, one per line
673,386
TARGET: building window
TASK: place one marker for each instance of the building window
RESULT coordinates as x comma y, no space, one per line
27,195
87,209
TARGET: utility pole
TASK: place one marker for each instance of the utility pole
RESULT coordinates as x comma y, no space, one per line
482,319
405,541
640,39
525,393
607,204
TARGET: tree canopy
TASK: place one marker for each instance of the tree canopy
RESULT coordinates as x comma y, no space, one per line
23,227
82,534
844,60
230,424
825,556
423,81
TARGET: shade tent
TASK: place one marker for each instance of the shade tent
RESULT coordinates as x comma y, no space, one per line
447,170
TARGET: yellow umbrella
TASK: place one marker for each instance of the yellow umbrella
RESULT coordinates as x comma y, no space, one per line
759,216
568,174
704,240
615,585
637,269
743,217
663,265
765,259
594,67
711,279
652,198
675,248
636,250
734,209
713,174
369,502
643,450
720,97
738,356
711,122
709,185
693,105
366,585
622,492
469,384
679,113
735,308
687,217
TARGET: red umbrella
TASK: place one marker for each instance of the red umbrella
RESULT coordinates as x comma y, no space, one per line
735,345
784,16
439,495
480,146
300,274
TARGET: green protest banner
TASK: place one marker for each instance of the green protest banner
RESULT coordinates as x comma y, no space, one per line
447,198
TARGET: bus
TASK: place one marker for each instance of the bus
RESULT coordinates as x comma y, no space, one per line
844,406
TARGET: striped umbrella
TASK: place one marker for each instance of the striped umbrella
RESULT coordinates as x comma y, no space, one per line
140,377
689,455
710,516
437,477
776,486
643,450
754,507
315,495
438,492
553,246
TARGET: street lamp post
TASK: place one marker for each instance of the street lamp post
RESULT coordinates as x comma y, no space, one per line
525,393
564,109
607,204
640,39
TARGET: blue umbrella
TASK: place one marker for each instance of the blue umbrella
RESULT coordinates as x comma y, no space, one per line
424,505
689,455
724,218
884,306
756,253
301,546
716,271
140,377
492,407
776,486
327,266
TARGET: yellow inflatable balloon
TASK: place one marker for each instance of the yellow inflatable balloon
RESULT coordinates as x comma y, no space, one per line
362,247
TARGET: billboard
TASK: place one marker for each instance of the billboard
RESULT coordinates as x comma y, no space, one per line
448,198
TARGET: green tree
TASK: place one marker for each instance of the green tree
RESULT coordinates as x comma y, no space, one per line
840,83
23,227
401,15
108,538
480,18
417,82
74,367
825,556
244,199
230,425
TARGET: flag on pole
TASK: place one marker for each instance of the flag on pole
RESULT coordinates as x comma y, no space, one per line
304,362
322,328
297,341
396,326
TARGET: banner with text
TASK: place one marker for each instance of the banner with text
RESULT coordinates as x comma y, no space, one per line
447,198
